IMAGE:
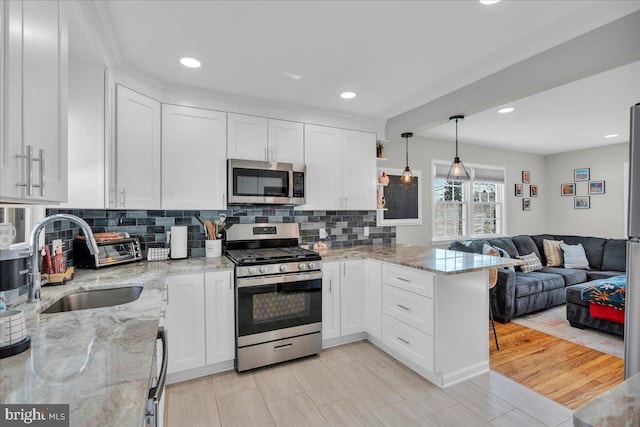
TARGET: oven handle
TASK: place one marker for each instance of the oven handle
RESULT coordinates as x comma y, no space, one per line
276,280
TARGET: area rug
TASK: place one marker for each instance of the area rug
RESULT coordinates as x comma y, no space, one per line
553,321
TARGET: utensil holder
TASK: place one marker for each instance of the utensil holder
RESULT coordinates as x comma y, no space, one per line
213,248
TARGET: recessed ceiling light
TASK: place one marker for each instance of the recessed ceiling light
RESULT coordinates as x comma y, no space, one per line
348,95
611,135
292,75
190,62
488,2
506,110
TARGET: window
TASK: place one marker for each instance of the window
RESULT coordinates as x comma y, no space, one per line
471,209
23,218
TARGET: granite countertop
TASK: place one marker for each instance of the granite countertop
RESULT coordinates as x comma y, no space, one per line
99,360
439,261
620,406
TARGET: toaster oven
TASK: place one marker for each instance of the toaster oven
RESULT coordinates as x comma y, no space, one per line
111,252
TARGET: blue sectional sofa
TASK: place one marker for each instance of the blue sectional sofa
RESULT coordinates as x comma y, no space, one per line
517,293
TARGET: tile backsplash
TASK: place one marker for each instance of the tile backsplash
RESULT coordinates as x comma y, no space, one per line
345,228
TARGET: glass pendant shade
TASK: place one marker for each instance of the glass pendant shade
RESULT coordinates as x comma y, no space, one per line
407,175
457,172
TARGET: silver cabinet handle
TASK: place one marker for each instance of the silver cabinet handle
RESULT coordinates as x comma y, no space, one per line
403,340
266,154
403,307
112,201
41,160
29,165
330,285
282,347
122,193
403,279
344,269
273,154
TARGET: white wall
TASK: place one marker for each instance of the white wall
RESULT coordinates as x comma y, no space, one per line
605,218
422,151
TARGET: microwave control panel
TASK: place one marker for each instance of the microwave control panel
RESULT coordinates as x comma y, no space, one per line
298,184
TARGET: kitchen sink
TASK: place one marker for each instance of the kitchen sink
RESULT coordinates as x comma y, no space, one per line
84,300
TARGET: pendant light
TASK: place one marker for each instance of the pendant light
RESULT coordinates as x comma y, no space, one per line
407,176
457,171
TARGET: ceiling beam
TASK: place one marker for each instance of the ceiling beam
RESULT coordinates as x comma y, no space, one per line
599,50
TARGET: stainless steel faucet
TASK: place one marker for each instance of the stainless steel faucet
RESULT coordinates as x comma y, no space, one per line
33,290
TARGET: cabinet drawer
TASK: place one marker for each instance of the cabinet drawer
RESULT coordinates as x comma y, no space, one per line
412,280
409,342
408,307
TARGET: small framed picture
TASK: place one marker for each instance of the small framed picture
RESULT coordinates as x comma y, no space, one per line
582,202
526,177
518,190
526,204
596,187
581,174
568,189
533,191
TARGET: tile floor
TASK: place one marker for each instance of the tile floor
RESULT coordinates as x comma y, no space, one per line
355,385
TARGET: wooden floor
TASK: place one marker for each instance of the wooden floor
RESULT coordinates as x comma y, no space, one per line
355,385
568,373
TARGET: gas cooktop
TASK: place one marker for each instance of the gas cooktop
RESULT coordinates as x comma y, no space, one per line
271,255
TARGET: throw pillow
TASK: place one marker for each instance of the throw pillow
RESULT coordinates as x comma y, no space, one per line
505,254
553,253
531,263
574,256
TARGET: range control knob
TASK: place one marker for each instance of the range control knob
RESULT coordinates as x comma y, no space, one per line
263,269
312,265
252,270
302,266
283,268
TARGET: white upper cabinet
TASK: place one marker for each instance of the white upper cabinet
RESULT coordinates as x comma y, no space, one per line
258,138
138,148
33,154
341,170
193,158
286,142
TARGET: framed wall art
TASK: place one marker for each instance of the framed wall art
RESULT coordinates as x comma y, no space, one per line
526,204
402,204
582,174
518,190
568,189
533,191
596,187
526,177
582,202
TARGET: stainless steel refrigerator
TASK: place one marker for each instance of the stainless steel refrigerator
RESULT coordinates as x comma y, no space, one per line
632,306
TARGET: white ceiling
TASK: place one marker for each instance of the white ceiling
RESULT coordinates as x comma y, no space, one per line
395,54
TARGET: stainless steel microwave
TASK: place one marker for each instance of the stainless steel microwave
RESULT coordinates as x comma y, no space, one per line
271,183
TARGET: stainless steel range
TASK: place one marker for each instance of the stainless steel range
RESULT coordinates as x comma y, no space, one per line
278,294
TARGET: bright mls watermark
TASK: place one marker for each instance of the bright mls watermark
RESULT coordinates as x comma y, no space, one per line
34,415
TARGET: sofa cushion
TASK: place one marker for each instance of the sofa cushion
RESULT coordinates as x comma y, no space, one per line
615,255
574,256
549,281
531,263
525,245
527,284
506,244
595,275
539,239
573,294
593,248
553,253
473,246
571,275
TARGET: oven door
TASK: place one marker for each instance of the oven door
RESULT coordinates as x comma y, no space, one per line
275,307
260,182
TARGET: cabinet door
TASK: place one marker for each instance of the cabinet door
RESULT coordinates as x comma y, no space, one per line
359,170
193,158
373,298
286,142
247,137
322,154
137,150
330,300
185,322
220,318
351,296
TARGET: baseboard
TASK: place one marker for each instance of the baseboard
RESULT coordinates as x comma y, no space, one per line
203,371
333,342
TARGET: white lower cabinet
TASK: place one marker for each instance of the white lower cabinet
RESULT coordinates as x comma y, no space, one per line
330,300
373,298
200,320
219,314
409,342
185,322
351,292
